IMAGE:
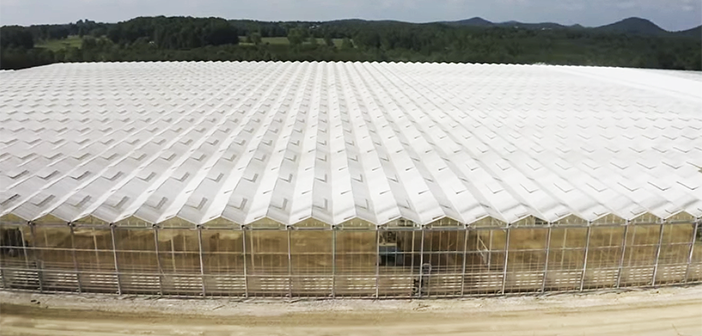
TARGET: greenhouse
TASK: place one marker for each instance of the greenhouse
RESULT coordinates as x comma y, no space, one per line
332,180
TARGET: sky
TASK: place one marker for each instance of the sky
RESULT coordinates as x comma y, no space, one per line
669,14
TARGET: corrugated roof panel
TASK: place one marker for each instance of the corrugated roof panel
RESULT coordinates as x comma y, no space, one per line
336,141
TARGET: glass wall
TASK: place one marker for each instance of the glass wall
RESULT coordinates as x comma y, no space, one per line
355,259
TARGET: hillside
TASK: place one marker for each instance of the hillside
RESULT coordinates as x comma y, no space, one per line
538,26
634,25
694,32
472,22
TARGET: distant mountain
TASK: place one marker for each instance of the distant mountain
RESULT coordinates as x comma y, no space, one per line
633,25
539,26
480,22
694,32
472,22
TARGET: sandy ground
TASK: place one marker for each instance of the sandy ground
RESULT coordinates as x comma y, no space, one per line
661,312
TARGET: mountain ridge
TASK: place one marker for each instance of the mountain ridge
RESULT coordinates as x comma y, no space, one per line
631,25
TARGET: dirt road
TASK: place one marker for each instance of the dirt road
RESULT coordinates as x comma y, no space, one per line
670,311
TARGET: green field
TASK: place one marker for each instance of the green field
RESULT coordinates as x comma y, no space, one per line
54,45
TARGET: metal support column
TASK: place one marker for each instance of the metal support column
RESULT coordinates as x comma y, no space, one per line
2,271
692,249
548,255
658,255
114,254
290,282
621,257
243,251
333,287
421,265
377,261
158,260
202,263
504,270
465,255
75,260
2,277
38,261
24,248
587,251
489,251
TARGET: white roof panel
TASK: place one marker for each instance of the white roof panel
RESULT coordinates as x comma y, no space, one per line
336,141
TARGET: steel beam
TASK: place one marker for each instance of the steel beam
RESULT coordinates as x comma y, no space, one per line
2,276
333,288
377,261
38,261
621,257
658,255
692,250
75,260
114,254
243,251
290,282
489,253
421,265
465,255
548,253
202,263
158,260
504,270
587,251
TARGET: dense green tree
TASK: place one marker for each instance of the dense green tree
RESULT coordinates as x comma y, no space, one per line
186,38
328,40
346,44
256,38
296,36
16,37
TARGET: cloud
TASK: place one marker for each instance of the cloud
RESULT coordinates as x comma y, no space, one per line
670,14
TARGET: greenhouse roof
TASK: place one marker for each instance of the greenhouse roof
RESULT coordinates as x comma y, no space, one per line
246,141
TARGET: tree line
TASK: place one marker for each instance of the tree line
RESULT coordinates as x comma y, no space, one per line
215,39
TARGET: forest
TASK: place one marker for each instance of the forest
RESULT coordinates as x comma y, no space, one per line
216,39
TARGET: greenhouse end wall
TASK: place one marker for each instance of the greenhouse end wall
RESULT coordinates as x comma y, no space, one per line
444,259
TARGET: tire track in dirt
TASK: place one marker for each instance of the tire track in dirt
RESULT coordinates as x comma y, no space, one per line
672,312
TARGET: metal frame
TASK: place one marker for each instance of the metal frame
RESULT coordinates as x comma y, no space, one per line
587,249
504,270
697,225
617,284
202,262
422,287
333,287
37,263
377,262
658,255
243,249
114,253
75,261
465,255
290,281
421,266
158,259
548,253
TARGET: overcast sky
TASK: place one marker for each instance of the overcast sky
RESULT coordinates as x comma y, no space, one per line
669,14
